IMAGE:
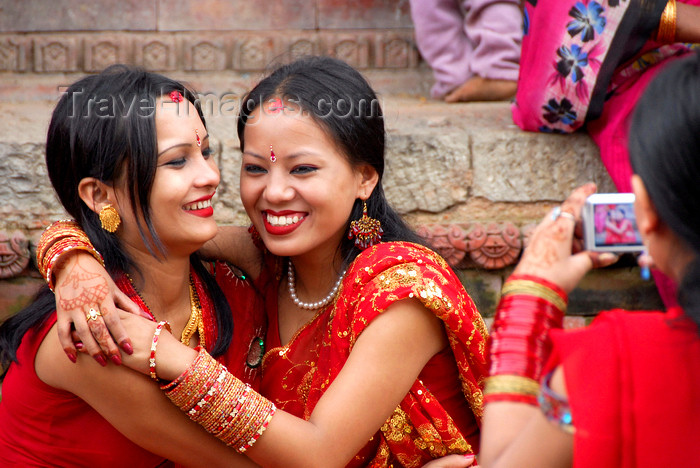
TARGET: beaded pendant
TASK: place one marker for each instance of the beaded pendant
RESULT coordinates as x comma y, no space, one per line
256,351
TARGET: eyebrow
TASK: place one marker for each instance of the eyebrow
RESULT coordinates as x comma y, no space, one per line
206,137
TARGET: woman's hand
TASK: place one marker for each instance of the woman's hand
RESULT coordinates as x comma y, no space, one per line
549,253
87,297
172,357
452,461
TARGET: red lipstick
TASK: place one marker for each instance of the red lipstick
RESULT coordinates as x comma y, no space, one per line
282,230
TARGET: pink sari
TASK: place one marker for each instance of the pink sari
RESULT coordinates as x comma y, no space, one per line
588,62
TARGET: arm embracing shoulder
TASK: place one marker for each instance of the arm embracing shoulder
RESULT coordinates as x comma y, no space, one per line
135,406
235,245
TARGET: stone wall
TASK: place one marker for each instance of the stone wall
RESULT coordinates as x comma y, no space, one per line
463,175
218,45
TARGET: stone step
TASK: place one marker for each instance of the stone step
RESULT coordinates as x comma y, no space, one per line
462,168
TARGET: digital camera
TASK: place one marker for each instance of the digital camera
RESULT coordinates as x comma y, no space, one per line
609,223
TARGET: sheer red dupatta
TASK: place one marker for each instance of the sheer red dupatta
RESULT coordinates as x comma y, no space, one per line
420,429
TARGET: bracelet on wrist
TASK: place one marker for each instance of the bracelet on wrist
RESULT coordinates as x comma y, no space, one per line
666,32
535,286
520,345
220,403
554,406
154,344
512,388
58,239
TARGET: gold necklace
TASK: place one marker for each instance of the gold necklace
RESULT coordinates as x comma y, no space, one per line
195,322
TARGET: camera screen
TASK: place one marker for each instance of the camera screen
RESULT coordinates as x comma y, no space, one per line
615,225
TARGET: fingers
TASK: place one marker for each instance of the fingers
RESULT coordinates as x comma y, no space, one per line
101,331
115,332
452,461
601,260
64,337
577,199
89,344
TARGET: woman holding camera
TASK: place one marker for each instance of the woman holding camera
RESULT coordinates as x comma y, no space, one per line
624,392
584,65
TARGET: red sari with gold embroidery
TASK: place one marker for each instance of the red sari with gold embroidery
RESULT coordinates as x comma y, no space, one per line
441,413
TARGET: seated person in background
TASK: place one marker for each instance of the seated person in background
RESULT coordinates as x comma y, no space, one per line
473,47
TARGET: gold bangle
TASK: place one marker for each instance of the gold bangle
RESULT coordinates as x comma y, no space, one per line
666,32
533,288
511,384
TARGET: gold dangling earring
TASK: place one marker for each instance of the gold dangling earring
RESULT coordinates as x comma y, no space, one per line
109,218
366,231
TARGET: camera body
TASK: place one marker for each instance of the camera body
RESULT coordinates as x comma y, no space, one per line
609,223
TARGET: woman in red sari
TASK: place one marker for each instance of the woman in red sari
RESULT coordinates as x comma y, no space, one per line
586,64
372,339
128,155
624,392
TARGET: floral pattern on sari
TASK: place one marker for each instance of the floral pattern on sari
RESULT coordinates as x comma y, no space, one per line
295,376
574,41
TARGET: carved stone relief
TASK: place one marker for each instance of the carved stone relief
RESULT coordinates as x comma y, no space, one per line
14,254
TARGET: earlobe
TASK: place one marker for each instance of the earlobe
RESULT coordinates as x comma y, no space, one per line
369,178
95,193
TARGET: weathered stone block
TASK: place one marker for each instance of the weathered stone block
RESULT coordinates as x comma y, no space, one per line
610,288
519,166
204,54
77,15
198,15
25,188
428,173
381,14
252,52
351,48
158,53
395,50
13,53
17,293
227,207
103,51
56,53
484,288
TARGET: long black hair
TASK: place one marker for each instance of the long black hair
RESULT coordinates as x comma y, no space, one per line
665,153
341,101
104,127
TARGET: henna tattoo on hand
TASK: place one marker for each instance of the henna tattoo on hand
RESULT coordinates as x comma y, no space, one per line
82,288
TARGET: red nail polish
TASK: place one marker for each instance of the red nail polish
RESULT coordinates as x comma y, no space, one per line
72,357
101,360
126,346
78,345
116,359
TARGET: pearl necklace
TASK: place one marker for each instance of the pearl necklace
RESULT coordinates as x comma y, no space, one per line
291,283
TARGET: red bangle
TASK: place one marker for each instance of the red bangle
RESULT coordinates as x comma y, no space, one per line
154,343
520,343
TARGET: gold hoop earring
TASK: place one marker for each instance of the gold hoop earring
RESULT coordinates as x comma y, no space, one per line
109,218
